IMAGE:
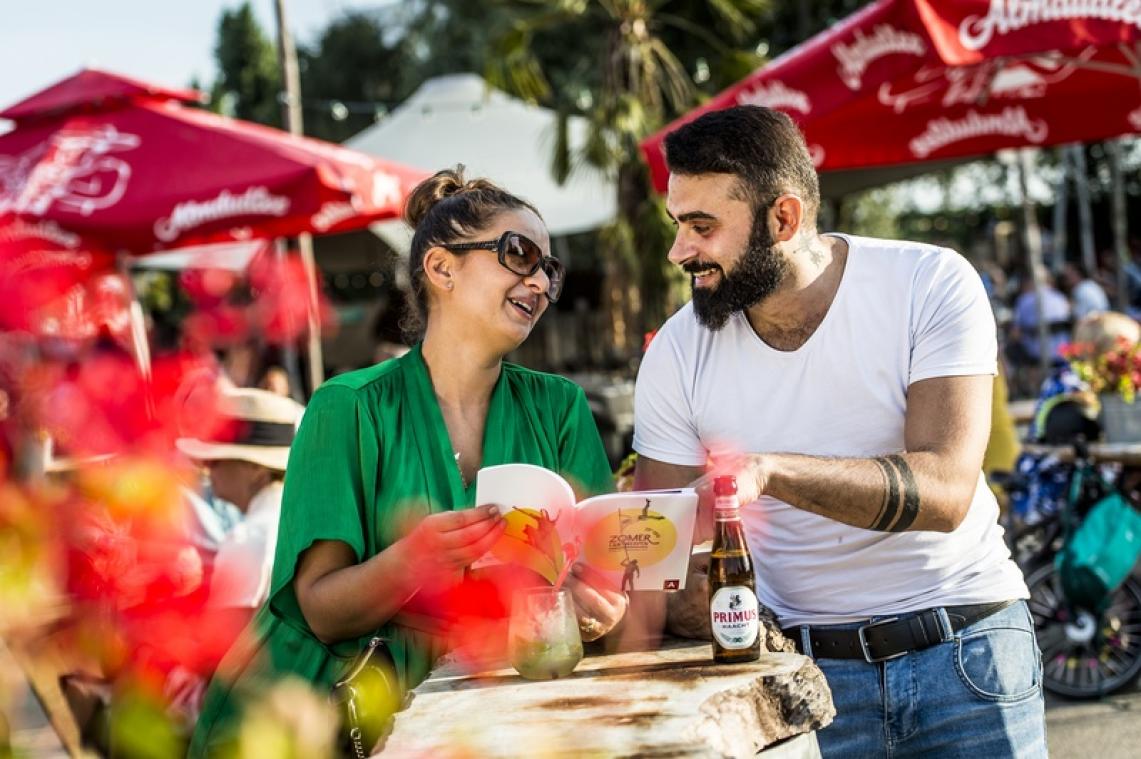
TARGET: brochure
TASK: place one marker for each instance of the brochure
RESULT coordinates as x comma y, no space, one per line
641,540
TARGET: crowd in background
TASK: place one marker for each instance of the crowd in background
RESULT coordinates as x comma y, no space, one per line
1071,291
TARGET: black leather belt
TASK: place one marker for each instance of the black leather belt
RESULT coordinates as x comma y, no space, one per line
893,637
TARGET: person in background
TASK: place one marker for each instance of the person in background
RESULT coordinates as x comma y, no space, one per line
276,380
1024,341
846,382
246,466
379,520
1085,294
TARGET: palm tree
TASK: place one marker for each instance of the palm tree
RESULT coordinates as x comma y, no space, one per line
629,66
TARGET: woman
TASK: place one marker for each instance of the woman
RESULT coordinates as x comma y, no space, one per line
399,444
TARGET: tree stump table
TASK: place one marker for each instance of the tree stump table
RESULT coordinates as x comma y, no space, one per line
668,702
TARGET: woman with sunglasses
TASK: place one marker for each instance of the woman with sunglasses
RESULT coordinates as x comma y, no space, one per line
378,518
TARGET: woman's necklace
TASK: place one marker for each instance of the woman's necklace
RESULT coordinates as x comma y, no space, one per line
460,469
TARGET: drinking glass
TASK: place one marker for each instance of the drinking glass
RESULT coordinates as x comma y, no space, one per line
542,636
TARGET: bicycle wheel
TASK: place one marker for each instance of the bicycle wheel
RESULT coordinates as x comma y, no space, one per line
1085,655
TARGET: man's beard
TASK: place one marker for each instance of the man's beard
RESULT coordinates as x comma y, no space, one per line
757,274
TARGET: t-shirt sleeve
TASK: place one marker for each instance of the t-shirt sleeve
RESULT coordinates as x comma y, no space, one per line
242,567
664,426
952,327
329,484
582,457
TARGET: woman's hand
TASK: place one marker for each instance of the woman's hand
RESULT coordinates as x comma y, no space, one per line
446,542
599,605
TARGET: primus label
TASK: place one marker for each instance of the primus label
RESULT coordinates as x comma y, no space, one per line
733,612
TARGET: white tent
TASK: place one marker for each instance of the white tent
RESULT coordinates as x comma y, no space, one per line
460,119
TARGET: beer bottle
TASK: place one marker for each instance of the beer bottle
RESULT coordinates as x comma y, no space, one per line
732,586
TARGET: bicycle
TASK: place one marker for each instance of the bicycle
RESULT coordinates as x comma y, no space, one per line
1086,652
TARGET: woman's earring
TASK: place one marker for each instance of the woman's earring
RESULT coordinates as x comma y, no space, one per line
450,285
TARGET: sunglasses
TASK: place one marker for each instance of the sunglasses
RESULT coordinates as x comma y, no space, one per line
523,256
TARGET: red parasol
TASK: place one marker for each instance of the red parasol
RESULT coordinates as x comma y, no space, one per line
127,166
906,81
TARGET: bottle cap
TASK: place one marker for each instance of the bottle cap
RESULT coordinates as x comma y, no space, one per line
725,485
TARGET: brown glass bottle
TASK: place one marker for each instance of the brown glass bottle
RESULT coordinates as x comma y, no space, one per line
732,585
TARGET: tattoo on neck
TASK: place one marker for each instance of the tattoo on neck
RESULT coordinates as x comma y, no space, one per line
807,247
901,495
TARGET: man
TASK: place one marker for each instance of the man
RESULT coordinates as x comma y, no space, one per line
1024,339
246,468
1086,295
852,377
246,464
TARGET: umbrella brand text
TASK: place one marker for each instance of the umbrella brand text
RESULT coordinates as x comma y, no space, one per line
776,95
73,169
255,201
48,231
856,56
1010,15
1011,122
332,213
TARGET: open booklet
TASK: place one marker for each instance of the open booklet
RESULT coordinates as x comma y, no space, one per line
640,540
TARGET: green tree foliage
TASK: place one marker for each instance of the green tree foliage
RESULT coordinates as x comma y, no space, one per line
791,22
248,78
351,74
634,65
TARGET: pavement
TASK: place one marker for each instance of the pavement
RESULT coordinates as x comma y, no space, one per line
1106,729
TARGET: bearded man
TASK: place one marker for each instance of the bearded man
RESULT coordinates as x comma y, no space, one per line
849,380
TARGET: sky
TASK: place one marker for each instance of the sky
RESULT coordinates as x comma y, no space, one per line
168,42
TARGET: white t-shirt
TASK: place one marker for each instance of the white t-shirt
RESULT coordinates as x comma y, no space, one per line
1089,298
244,562
904,312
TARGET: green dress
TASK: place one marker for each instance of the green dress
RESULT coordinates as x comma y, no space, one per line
373,449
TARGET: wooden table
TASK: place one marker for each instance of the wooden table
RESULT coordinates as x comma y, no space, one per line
669,702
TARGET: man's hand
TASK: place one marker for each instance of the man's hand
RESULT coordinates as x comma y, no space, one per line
599,605
749,471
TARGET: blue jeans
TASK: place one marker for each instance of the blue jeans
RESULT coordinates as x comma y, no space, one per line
977,695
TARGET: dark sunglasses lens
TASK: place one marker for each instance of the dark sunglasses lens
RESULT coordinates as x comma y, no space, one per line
519,254
556,273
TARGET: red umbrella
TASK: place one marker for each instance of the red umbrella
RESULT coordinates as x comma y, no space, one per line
905,81
128,166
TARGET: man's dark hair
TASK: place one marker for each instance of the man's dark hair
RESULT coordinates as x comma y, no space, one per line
761,147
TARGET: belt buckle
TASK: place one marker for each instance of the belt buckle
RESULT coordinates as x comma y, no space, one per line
864,641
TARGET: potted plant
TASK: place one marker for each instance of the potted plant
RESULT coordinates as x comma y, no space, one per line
1114,374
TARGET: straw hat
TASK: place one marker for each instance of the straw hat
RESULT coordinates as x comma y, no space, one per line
1101,331
262,428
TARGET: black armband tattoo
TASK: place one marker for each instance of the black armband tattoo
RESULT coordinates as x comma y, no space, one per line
910,494
899,508
890,507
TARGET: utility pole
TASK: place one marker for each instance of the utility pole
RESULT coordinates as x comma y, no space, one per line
291,109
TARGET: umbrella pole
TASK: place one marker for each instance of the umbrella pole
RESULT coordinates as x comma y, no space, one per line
288,347
316,355
291,108
139,345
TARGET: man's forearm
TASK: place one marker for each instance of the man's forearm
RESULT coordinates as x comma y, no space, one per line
892,493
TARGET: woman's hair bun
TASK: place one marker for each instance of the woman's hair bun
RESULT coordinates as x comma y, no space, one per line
441,185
